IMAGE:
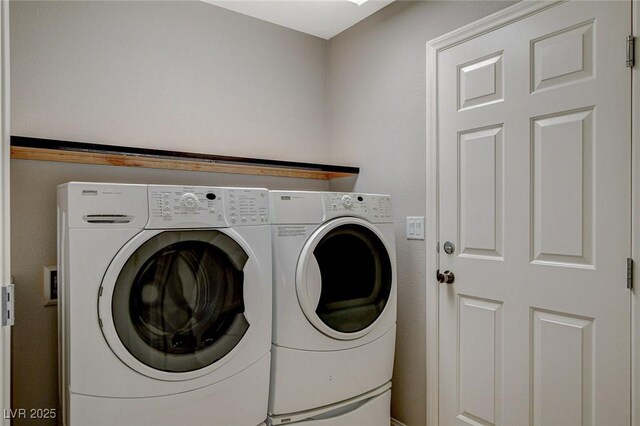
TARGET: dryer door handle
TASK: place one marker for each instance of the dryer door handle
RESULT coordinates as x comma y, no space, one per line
314,282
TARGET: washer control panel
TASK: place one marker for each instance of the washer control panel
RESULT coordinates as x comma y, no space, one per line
247,206
200,206
376,208
380,206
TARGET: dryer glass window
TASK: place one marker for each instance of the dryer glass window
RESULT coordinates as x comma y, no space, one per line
356,278
178,302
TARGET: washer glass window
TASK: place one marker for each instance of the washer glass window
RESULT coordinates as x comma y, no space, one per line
178,302
356,278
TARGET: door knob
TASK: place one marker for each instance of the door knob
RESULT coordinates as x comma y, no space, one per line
445,277
449,247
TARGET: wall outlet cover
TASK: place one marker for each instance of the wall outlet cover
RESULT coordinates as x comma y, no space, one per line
50,285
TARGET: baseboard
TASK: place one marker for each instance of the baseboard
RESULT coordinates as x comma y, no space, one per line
394,422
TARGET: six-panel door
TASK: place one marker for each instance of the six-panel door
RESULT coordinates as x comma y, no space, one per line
534,191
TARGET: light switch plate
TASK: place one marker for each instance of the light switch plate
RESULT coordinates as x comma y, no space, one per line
415,227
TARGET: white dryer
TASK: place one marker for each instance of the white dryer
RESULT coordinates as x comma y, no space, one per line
164,305
334,300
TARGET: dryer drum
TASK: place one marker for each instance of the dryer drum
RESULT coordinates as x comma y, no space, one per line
178,302
356,278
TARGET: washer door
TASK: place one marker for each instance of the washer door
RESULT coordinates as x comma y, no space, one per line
176,305
344,278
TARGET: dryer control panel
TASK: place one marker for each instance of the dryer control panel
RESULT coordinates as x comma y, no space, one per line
201,206
373,207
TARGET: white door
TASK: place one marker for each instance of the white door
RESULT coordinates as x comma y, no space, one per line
534,191
5,273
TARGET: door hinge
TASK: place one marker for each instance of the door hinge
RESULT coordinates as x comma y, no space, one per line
7,306
629,273
631,51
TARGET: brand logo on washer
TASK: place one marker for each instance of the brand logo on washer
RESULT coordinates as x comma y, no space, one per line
285,197
89,192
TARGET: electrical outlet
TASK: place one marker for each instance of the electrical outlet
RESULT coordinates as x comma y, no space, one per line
415,227
50,285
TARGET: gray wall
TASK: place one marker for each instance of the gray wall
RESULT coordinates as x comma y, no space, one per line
178,75
170,74
377,119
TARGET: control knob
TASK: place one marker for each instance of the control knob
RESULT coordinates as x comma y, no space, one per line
189,201
347,201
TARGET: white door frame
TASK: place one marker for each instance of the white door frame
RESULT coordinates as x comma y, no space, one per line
499,19
5,260
635,223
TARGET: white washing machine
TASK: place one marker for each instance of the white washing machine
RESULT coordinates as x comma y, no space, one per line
164,305
334,300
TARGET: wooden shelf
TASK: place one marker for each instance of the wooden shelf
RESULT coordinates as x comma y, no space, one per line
26,148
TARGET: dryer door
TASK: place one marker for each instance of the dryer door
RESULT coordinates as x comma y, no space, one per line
344,278
176,305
